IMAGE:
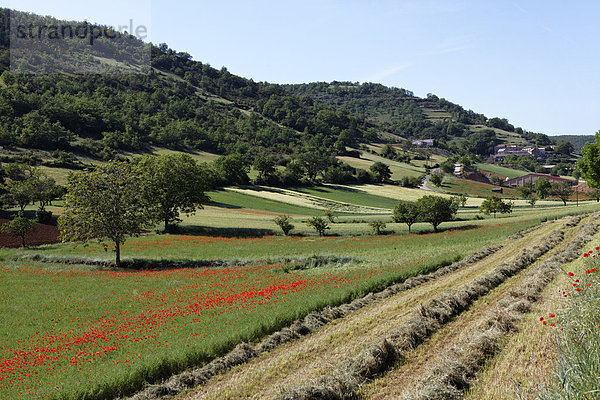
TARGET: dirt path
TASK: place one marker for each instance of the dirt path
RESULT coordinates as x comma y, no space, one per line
303,360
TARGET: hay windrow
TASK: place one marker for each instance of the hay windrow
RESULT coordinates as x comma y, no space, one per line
245,352
459,367
425,320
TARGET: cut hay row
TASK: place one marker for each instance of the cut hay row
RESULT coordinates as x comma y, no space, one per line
425,320
459,366
245,352
524,232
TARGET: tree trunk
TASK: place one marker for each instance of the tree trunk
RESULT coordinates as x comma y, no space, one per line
118,256
166,224
409,225
23,241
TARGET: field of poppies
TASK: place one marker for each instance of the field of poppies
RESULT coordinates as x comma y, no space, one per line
81,332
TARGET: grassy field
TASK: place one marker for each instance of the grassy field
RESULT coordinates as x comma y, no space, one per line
398,169
76,330
322,201
502,171
349,195
234,200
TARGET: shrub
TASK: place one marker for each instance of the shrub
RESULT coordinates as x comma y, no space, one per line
43,217
284,222
377,226
319,224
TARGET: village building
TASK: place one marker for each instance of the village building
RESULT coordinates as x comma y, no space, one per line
530,179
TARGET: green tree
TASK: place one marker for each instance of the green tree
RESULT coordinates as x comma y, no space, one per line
19,226
482,142
494,204
45,190
285,223
563,147
233,169
436,209
406,213
543,187
562,190
329,215
436,179
21,193
265,165
377,226
314,161
525,192
319,224
176,184
381,172
589,163
463,200
110,202
532,199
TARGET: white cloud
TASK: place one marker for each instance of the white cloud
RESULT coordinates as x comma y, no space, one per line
386,73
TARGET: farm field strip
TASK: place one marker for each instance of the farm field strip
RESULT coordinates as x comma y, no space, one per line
384,248
308,200
244,352
316,354
74,331
426,319
529,356
462,349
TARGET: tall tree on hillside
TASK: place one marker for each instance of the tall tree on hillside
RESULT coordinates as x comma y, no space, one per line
314,161
589,164
176,183
108,203
233,169
381,172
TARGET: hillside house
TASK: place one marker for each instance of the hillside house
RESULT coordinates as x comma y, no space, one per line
423,143
502,151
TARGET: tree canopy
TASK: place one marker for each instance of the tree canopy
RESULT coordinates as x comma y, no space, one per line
495,204
108,203
436,209
589,164
176,183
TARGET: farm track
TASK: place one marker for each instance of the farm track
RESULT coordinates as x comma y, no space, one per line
302,361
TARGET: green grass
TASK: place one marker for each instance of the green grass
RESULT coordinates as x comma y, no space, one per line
578,365
233,200
242,303
499,170
349,195
386,248
398,169
60,304
468,187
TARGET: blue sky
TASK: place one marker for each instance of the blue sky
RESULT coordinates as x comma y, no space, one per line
533,62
